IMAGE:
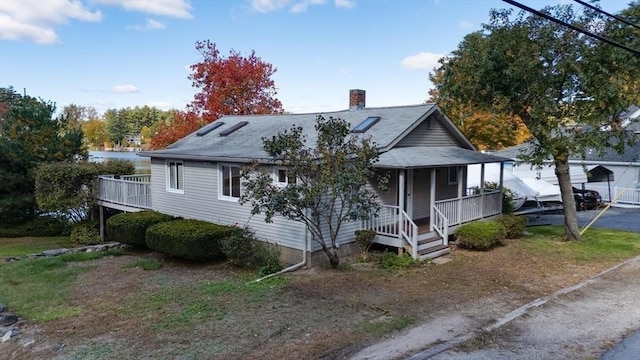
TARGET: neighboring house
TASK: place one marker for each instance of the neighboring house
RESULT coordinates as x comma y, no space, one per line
608,174
425,154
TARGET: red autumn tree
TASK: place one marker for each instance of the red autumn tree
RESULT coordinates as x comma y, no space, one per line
233,85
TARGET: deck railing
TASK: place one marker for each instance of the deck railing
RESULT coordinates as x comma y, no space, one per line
459,211
630,196
129,190
393,222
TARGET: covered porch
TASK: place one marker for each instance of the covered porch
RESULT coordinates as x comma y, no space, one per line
428,198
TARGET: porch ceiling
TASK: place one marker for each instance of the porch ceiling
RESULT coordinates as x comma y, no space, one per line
419,157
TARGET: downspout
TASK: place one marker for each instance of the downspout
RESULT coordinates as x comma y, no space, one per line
296,266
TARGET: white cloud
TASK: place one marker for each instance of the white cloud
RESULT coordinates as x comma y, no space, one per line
173,8
423,60
465,24
124,88
35,20
295,6
347,4
150,24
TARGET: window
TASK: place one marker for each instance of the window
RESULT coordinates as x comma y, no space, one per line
281,177
230,182
233,129
453,175
175,176
366,124
209,128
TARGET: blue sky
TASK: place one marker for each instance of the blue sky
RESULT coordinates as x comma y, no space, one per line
119,53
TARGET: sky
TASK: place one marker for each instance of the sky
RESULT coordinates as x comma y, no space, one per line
126,53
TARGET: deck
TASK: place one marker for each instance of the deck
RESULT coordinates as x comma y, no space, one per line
127,193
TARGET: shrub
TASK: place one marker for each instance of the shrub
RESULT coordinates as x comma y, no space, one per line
189,239
244,250
364,240
87,233
36,227
389,260
480,235
513,225
131,228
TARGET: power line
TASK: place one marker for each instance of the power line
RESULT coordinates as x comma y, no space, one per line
543,15
606,13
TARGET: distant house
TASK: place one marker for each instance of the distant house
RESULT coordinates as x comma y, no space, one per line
425,154
608,174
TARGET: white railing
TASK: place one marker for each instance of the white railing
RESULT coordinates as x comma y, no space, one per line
441,225
130,190
460,211
630,196
393,222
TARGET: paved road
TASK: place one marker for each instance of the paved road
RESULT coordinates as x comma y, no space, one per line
615,218
628,349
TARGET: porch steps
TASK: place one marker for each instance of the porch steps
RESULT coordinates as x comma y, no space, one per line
430,246
434,252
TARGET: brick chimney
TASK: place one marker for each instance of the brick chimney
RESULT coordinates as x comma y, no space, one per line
357,99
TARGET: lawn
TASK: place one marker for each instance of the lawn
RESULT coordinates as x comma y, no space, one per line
31,245
145,305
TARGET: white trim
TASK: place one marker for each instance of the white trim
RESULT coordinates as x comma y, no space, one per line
221,196
168,185
276,176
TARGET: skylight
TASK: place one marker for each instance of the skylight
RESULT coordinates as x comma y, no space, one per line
209,128
366,124
234,128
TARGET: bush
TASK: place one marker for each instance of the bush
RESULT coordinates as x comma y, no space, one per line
36,227
364,240
189,239
244,250
87,233
480,235
513,225
131,228
389,260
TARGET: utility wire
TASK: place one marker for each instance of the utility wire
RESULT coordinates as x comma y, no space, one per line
606,13
543,15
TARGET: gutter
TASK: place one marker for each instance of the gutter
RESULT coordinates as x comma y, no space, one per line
296,266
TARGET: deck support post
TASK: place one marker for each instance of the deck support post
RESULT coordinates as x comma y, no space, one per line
101,222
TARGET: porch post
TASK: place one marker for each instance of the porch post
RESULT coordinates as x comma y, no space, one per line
401,197
482,191
432,197
460,184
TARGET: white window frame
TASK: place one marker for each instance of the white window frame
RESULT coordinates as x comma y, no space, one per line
276,176
221,169
174,186
455,174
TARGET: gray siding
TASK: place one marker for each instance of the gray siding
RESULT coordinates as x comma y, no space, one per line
430,133
389,197
200,201
421,193
444,190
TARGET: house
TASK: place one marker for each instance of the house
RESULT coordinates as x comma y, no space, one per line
424,153
613,175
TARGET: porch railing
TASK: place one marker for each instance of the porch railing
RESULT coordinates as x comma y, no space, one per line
630,196
129,190
460,211
441,225
393,222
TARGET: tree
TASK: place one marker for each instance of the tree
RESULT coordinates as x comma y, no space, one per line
29,136
234,85
95,132
117,127
327,183
538,70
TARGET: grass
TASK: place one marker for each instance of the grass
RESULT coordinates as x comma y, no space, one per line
38,288
386,326
13,247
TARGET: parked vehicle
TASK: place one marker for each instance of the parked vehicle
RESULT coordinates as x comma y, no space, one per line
586,199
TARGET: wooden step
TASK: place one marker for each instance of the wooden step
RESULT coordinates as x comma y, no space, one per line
428,237
434,252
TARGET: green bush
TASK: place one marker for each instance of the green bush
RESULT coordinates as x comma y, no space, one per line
389,260
36,227
87,233
513,225
189,239
364,239
480,235
131,228
244,250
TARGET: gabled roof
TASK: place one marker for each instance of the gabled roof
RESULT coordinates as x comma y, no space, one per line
630,154
246,144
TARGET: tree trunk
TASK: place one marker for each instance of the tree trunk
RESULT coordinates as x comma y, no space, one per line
332,254
571,229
